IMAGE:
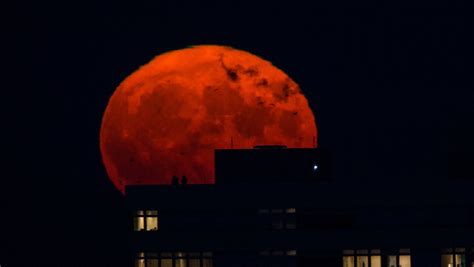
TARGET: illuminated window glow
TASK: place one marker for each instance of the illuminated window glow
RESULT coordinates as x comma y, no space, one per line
403,259
348,261
152,263
454,258
362,258
362,261
140,261
290,210
375,261
177,259
166,263
291,253
145,220
139,223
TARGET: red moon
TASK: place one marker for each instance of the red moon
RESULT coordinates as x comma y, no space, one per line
167,117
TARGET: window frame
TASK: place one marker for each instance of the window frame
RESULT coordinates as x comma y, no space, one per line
453,252
355,253
144,215
175,256
384,255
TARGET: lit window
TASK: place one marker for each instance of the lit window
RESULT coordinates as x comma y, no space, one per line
180,255
139,221
151,259
152,213
152,220
362,261
140,261
403,259
348,261
392,261
194,263
152,263
362,258
166,263
291,210
176,259
376,261
151,223
456,258
291,253
180,262
206,262
447,260
166,259
147,220
207,259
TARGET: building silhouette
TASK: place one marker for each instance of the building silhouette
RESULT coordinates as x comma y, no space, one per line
273,206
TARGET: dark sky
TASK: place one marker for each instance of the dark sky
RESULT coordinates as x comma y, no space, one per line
391,87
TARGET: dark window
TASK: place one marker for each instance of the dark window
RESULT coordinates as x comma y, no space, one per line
279,218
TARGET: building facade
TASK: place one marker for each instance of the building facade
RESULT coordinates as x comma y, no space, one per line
303,223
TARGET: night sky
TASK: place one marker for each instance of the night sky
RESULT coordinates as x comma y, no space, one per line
391,87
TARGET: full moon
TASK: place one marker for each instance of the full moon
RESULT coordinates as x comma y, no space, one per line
167,118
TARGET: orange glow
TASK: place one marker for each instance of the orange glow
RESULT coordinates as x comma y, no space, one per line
167,117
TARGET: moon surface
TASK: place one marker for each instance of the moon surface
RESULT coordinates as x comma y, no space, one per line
167,117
